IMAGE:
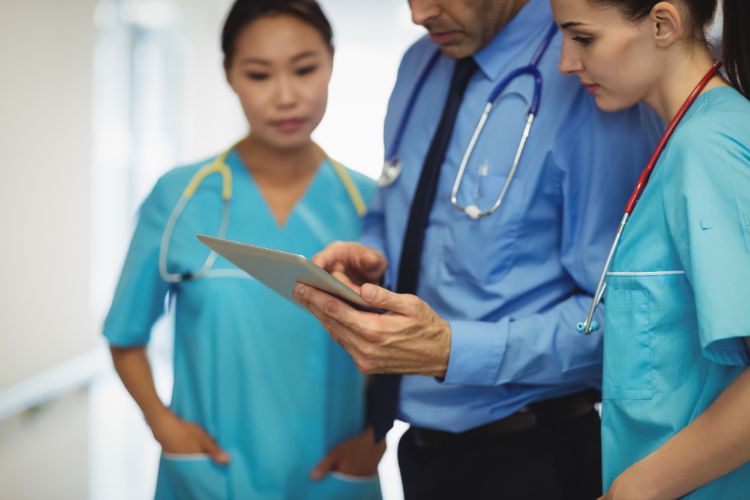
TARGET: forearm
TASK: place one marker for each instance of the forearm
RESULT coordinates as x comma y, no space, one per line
134,370
537,349
715,443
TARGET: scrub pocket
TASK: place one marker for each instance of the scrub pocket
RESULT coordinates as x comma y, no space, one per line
628,360
190,477
337,486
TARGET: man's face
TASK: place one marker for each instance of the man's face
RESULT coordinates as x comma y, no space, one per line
462,27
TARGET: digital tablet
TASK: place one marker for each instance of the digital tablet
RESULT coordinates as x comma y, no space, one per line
280,271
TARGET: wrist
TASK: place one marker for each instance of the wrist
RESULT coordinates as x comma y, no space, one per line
443,354
158,419
650,485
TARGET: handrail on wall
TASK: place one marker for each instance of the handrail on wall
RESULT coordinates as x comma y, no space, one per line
53,383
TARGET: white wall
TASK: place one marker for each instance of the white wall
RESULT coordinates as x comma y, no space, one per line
45,141
44,454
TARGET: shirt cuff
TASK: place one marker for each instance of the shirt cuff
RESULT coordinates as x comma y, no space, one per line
477,350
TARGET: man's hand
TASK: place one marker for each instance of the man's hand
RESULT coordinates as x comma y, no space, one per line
352,263
184,438
358,456
409,338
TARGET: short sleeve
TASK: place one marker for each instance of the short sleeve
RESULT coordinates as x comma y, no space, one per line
139,297
707,206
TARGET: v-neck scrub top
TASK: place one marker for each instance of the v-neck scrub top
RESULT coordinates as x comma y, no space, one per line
678,292
256,371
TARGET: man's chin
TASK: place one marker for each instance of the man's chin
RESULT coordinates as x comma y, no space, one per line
456,50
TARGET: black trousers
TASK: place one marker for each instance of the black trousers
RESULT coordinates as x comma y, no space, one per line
560,460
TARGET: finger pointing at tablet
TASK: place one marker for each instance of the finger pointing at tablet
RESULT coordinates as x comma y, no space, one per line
352,263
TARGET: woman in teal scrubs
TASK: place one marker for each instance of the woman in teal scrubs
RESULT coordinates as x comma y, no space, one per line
676,386
264,404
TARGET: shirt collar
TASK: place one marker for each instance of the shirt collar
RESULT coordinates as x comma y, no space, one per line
531,21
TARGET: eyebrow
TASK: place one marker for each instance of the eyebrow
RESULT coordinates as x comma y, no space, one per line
572,24
298,57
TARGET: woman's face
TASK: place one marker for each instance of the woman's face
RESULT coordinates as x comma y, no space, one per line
280,71
615,57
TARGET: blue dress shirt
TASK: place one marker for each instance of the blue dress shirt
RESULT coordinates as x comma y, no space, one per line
513,284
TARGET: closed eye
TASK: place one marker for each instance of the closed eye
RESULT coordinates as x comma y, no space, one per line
257,76
306,70
583,40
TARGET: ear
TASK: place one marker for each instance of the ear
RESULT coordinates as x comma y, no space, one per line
667,22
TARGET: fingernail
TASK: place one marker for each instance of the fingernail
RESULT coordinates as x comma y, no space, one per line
368,292
298,291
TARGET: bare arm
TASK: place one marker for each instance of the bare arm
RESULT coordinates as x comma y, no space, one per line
715,443
135,372
174,434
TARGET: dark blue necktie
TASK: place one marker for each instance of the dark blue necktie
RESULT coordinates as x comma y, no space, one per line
383,390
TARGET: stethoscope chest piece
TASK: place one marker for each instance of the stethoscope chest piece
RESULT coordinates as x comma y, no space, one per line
390,173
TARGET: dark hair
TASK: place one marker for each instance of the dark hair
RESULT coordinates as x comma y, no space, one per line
244,12
735,36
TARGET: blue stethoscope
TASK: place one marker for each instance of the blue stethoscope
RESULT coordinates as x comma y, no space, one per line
392,167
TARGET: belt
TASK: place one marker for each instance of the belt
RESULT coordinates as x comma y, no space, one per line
531,416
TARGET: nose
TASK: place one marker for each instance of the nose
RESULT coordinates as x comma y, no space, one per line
423,11
570,63
286,92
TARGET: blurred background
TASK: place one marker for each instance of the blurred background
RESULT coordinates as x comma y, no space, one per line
97,99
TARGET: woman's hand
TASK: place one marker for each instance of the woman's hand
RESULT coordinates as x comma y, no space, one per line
181,437
358,456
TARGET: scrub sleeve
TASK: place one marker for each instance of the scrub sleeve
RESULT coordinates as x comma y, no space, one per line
709,223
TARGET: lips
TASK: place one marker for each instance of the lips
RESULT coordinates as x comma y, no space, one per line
593,88
288,125
444,37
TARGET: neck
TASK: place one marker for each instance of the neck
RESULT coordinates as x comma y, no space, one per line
509,12
679,76
279,165
505,11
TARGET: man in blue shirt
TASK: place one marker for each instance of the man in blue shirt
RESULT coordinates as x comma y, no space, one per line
497,383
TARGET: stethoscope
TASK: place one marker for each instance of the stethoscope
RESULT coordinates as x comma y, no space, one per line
392,167
590,325
219,166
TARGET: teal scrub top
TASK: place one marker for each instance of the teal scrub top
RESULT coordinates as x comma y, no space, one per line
679,289
256,371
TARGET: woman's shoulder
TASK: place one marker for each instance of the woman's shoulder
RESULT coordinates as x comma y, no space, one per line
721,121
181,175
366,185
170,185
712,146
